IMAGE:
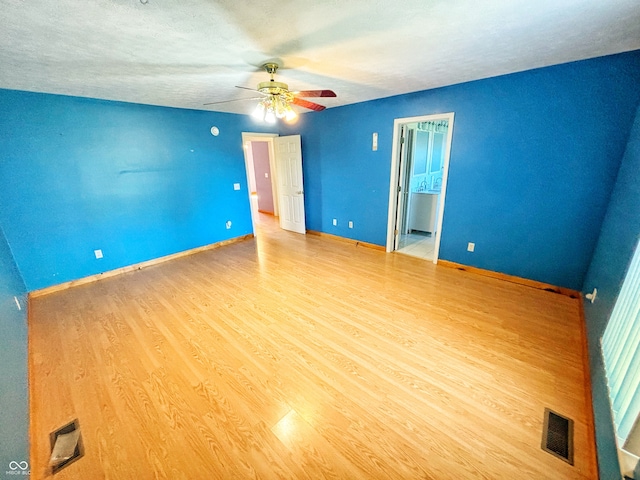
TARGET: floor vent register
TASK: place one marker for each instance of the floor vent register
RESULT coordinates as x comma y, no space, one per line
557,436
66,446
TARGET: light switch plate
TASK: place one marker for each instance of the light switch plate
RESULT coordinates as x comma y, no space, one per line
236,186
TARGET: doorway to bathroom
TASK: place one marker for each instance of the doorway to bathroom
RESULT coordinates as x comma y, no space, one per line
419,171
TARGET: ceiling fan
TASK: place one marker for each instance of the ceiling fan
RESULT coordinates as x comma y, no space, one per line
276,99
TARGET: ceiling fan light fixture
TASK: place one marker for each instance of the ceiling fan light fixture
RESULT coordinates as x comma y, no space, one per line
290,116
259,112
273,108
282,107
270,116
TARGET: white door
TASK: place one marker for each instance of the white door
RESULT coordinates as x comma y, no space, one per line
402,213
290,188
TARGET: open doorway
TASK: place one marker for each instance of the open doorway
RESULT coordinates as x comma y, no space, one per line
419,171
259,145
263,187
274,175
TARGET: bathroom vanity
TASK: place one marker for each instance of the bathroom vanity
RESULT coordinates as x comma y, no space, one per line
423,212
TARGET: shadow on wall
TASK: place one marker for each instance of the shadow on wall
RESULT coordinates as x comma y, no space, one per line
14,415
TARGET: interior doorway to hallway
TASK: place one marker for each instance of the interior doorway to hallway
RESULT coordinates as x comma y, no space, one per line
274,175
263,139
419,172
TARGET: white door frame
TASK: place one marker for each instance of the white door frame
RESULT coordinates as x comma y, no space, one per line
395,160
247,138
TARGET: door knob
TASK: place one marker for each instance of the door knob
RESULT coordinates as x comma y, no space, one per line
300,192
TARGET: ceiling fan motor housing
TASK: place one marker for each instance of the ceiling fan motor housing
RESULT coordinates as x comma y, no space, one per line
273,88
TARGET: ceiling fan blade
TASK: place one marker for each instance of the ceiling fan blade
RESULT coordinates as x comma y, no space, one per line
306,104
234,100
315,93
247,88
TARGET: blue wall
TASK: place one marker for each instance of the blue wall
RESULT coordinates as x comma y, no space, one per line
618,239
136,181
14,423
533,162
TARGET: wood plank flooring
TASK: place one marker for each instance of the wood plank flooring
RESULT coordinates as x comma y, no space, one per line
291,356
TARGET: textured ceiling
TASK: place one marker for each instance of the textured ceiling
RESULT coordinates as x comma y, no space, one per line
184,54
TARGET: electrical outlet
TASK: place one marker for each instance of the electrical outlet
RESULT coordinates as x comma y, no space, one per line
350,224
471,247
335,222
228,224
236,186
98,253
374,142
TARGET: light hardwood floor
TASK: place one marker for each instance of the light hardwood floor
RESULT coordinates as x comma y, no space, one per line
291,356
